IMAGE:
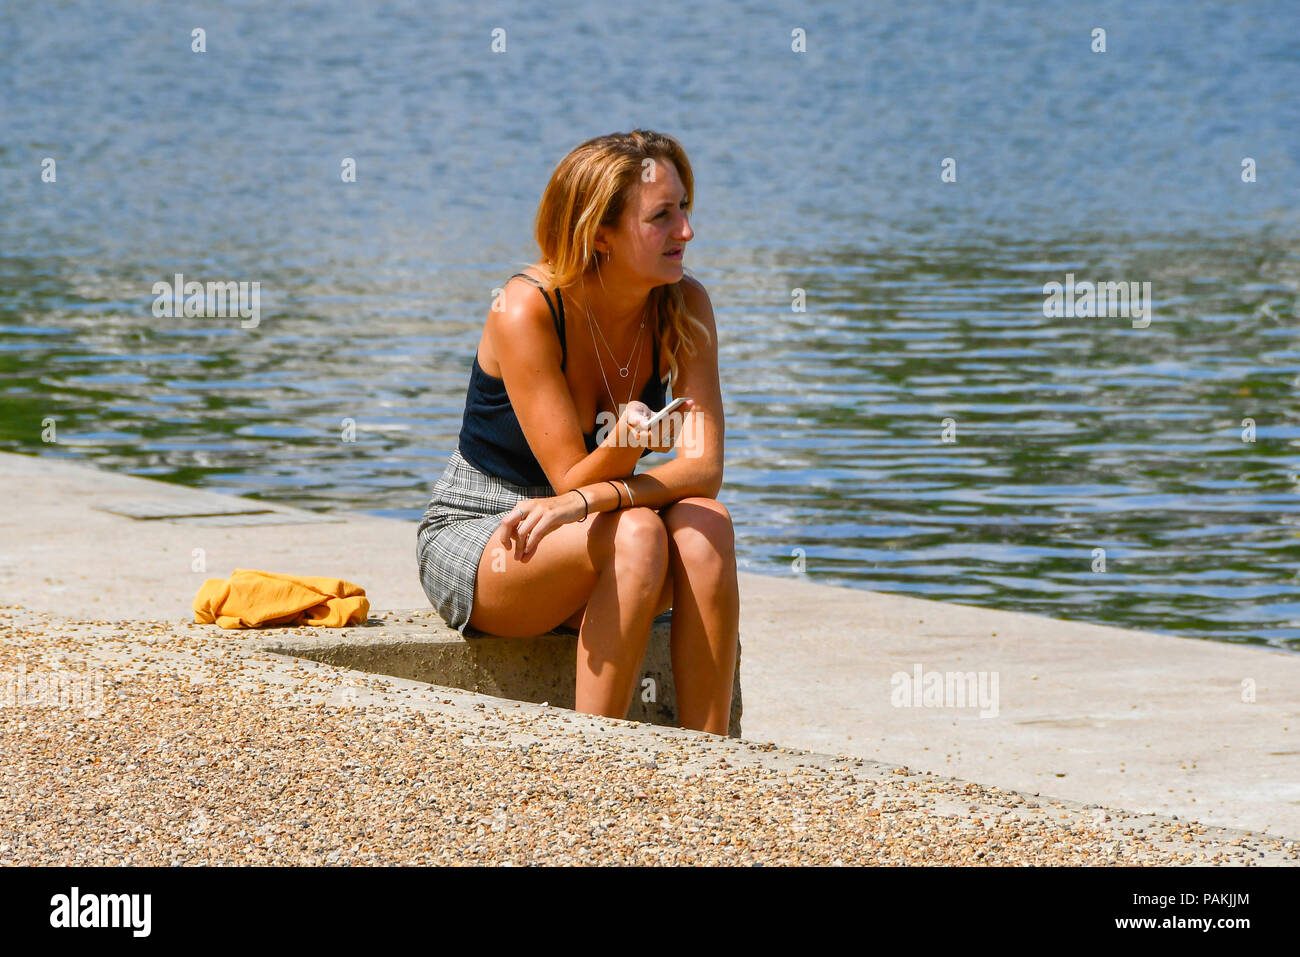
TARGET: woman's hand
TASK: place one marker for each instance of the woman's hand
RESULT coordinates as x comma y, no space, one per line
532,519
660,439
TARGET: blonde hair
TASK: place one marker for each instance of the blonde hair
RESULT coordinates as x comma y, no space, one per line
591,187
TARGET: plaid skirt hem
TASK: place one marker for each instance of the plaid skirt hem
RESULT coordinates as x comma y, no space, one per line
464,510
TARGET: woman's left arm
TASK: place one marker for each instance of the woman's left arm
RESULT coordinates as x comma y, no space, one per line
697,467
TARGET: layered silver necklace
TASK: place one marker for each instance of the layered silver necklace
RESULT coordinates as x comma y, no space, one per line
625,370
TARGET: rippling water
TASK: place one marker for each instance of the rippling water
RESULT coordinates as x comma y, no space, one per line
818,171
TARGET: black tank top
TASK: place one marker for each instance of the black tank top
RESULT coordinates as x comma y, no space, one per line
491,438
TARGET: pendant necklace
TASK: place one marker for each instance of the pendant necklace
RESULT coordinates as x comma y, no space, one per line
624,371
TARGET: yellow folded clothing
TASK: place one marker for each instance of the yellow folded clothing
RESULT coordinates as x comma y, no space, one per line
253,599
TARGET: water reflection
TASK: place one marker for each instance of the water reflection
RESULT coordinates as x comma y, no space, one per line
924,300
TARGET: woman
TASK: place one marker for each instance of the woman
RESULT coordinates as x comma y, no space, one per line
527,530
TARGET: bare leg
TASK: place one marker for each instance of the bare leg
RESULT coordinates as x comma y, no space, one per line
615,565
706,611
616,626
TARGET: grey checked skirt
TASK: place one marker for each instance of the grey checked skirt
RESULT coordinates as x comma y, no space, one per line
464,510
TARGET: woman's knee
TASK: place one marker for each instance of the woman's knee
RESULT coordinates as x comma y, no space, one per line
638,538
701,531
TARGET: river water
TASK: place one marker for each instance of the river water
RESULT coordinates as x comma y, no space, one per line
1170,450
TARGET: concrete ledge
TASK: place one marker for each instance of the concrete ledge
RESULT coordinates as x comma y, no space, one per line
418,645
1152,723
327,765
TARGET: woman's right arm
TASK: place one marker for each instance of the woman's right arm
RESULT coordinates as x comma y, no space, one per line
523,339
617,454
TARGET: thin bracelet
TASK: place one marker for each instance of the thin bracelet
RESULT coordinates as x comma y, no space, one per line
618,493
585,507
630,499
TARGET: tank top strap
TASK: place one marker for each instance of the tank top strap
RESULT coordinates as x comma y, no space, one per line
557,318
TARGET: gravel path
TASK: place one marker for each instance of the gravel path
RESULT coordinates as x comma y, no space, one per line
208,753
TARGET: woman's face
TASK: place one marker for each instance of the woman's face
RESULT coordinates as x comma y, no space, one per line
654,224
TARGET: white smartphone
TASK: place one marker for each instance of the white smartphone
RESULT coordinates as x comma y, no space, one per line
671,407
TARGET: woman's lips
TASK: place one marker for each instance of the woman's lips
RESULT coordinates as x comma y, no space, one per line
676,255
